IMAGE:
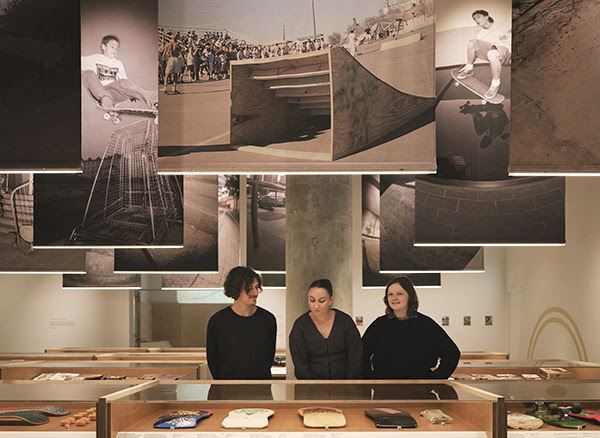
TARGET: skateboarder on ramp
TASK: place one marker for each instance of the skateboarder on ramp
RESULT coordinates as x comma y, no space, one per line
492,44
105,77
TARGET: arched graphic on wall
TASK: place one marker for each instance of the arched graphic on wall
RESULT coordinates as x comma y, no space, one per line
557,315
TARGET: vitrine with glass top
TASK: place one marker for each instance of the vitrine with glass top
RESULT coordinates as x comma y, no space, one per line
475,412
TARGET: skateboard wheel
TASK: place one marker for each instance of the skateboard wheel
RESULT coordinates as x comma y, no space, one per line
116,120
483,101
553,408
106,116
576,408
456,84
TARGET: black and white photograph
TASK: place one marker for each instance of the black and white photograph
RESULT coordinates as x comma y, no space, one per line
279,86
40,86
473,81
265,245
99,267
371,229
119,88
527,210
200,225
398,251
16,232
555,93
118,201
228,241
472,200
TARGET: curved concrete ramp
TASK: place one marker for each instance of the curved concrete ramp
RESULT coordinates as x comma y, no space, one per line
366,109
276,97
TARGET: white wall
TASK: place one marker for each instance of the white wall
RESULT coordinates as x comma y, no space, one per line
36,313
564,281
462,294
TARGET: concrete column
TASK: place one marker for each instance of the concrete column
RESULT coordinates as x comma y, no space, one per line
318,242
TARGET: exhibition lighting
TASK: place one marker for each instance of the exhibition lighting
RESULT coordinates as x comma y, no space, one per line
19,171
109,247
102,287
489,244
287,172
465,271
43,272
167,272
553,174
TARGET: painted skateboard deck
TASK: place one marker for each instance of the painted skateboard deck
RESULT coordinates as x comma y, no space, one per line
391,418
558,416
250,418
322,417
182,419
46,410
476,86
27,417
587,414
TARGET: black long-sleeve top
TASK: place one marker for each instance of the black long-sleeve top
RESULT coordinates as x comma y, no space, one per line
337,357
407,349
241,347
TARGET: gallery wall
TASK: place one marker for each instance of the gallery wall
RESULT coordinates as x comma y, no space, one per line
36,313
553,292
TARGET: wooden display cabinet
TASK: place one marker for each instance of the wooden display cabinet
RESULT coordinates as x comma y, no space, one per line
128,369
563,392
74,396
133,412
27,357
483,355
578,370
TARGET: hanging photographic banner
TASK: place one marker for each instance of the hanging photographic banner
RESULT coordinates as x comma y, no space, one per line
40,86
372,277
555,98
514,211
16,233
283,87
265,247
228,244
99,273
397,250
199,252
473,81
119,202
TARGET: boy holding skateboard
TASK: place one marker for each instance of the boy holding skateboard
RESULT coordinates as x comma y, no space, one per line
104,75
240,339
492,44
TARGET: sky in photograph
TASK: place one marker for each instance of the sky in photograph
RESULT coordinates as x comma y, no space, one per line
262,21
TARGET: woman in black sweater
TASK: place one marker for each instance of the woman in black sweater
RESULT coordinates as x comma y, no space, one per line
405,344
324,342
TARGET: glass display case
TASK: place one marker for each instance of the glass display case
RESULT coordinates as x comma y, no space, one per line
474,411
76,397
521,397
